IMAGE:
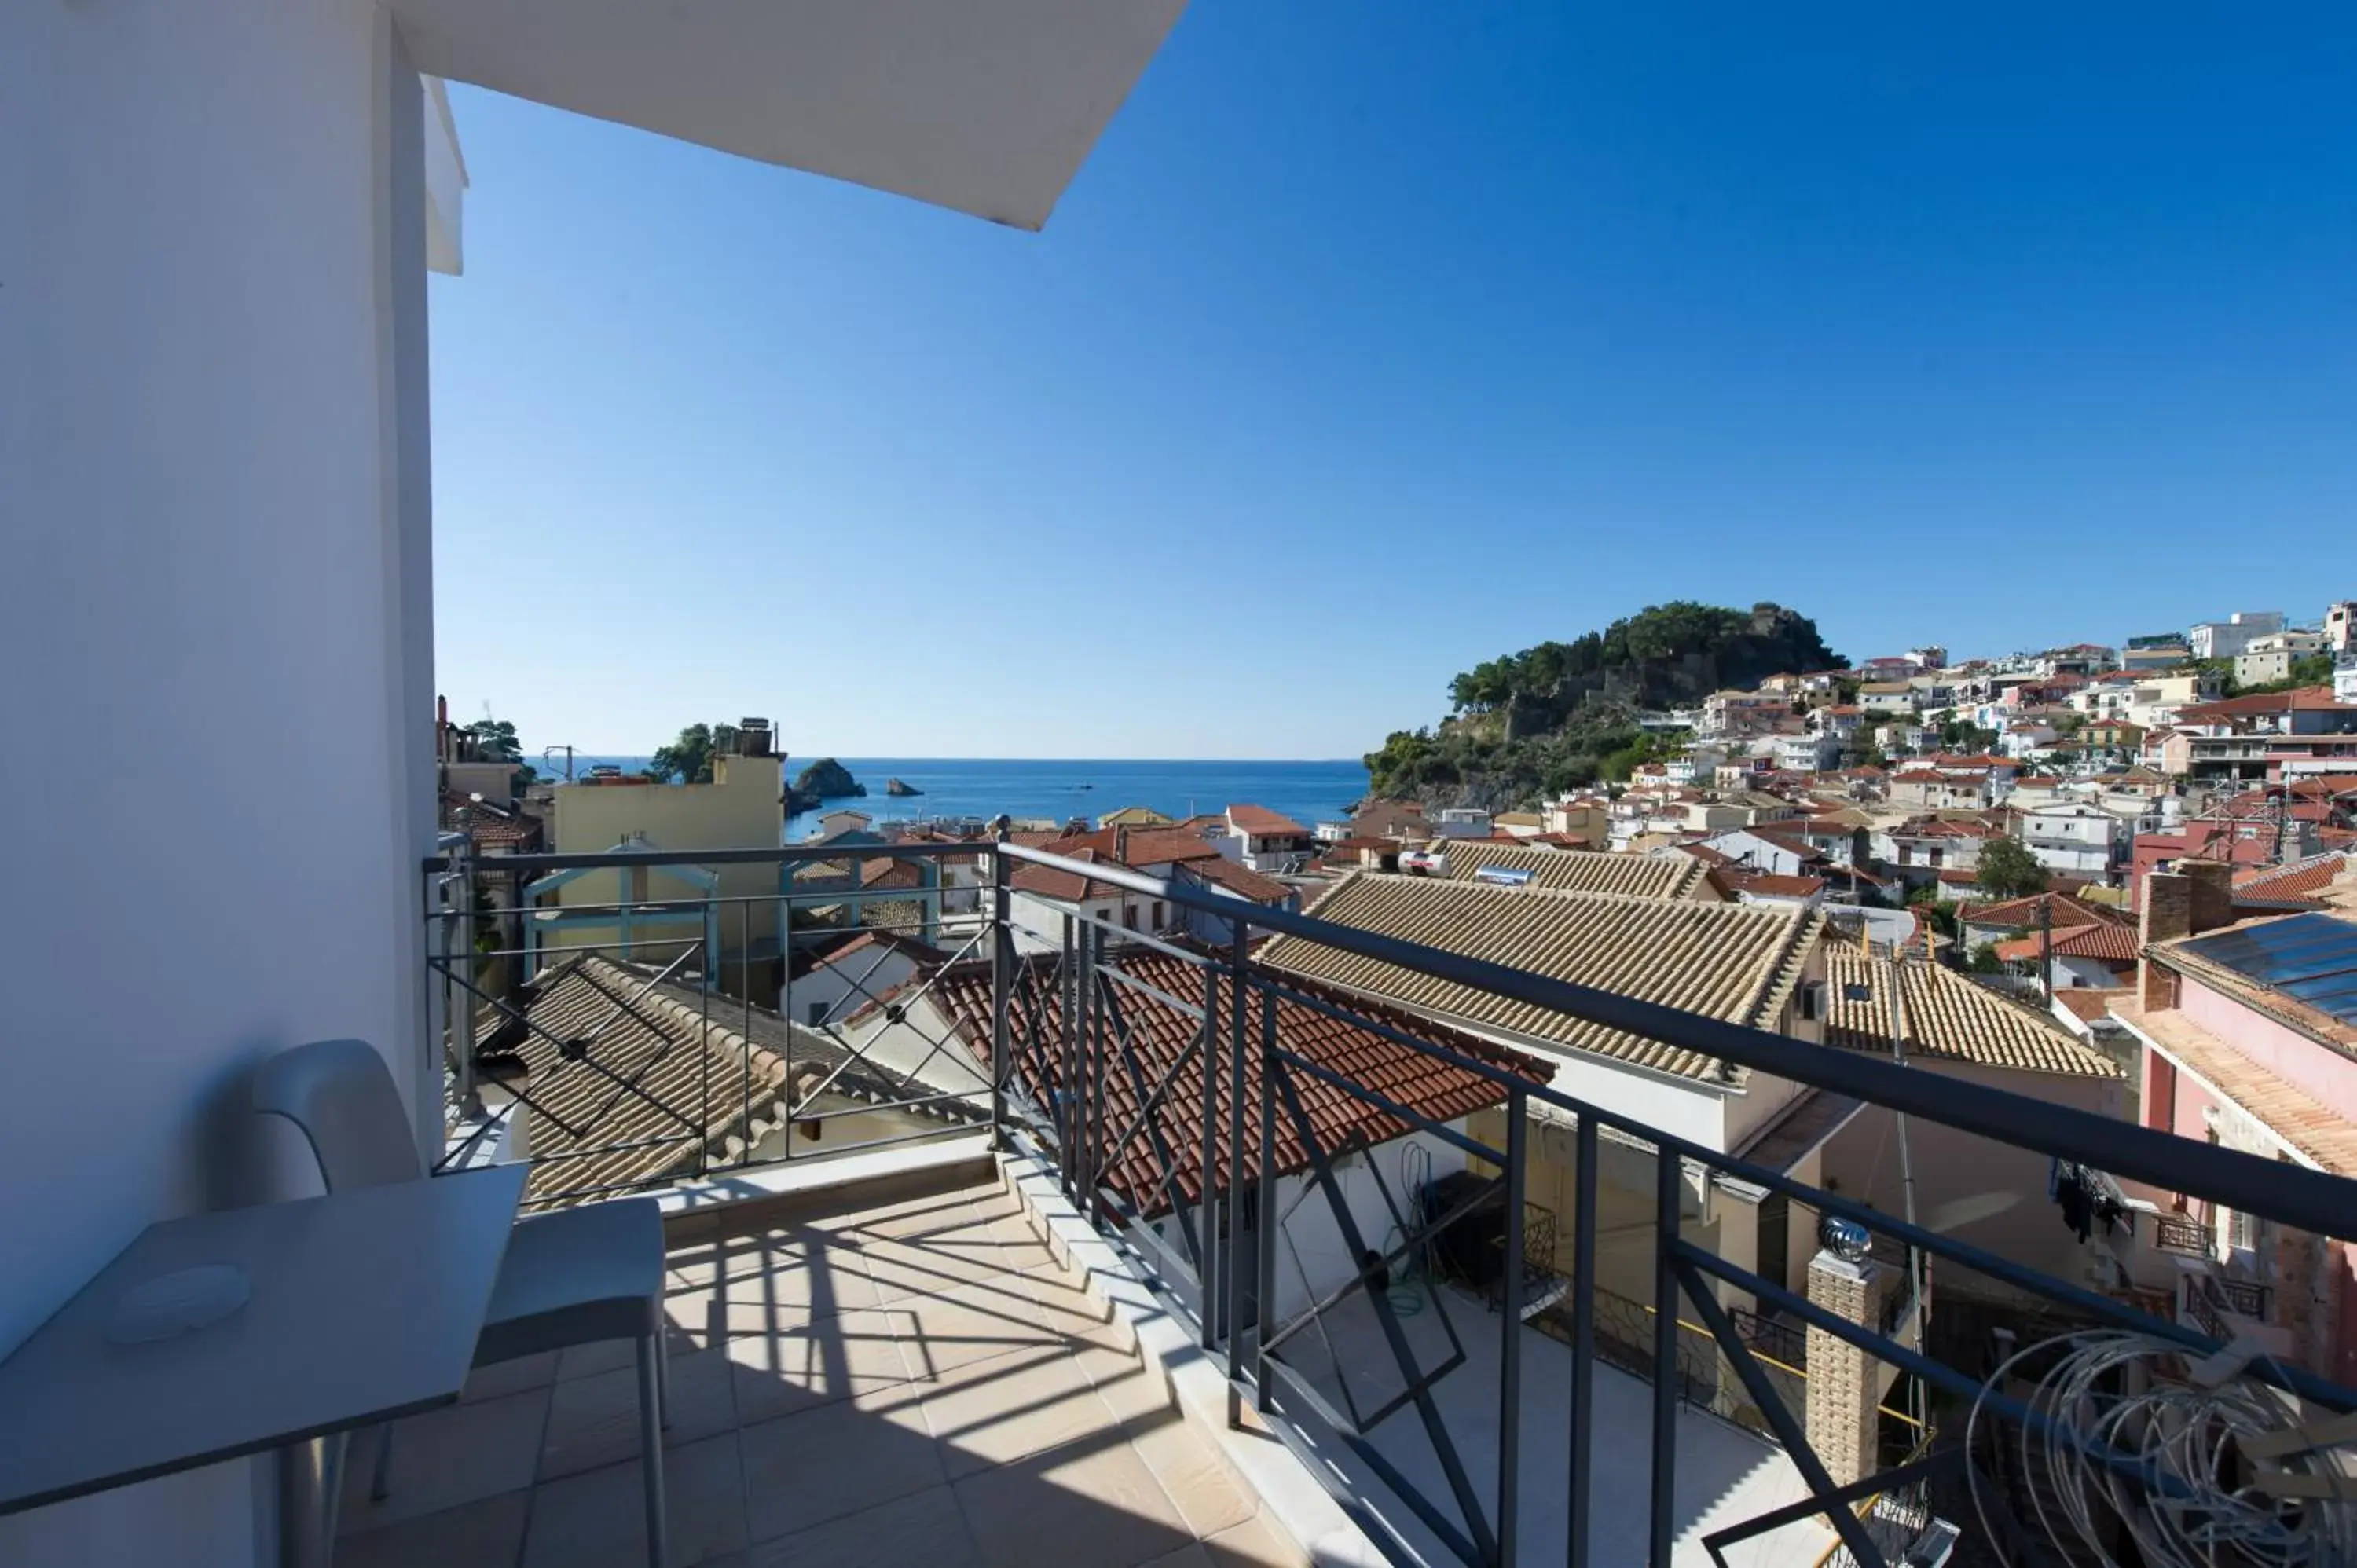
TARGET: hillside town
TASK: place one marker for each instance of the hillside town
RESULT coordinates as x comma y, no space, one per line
2119,880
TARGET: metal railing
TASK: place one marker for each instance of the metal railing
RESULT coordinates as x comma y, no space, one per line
2182,1235
1197,1134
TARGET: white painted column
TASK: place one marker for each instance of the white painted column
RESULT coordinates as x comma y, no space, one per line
216,623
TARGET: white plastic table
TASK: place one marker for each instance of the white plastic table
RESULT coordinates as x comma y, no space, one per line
361,1306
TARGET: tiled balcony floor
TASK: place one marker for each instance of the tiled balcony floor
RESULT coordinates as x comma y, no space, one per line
914,1384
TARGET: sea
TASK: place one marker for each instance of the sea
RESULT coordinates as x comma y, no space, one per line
1058,790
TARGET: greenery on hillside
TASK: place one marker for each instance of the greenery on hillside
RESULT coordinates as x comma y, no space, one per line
2308,670
1563,714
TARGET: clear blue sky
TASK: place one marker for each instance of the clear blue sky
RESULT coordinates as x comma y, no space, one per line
1378,339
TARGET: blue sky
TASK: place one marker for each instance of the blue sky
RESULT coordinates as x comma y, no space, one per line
1375,339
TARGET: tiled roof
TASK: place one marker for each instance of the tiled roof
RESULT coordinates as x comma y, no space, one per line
1948,1016
1136,846
663,1041
871,936
2297,880
2109,943
1736,962
2306,699
1162,1038
1241,880
1262,823
891,871
1580,870
2091,1004
489,826
1767,884
2313,1128
2024,913
1054,882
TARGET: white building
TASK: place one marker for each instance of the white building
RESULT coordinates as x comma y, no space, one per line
2073,837
1808,753
217,404
2225,639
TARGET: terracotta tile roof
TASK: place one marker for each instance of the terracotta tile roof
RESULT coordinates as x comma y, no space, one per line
2305,699
1767,884
1948,1016
1241,880
2109,943
870,938
891,871
2326,1137
1579,869
1136,846
1262,823
2024,913
1065,886
663,1039
489,826
1162,1038
1736,963
2297,880
1959,876
2091,1004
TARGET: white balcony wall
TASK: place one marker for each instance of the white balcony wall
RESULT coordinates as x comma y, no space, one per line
214,473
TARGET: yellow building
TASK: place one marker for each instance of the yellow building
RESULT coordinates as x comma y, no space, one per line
654,915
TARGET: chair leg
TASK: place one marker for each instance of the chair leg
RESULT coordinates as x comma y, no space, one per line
381,1478
651,1456
662,1371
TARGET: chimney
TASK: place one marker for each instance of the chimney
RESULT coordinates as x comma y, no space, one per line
2168,915
2213,894
1120,843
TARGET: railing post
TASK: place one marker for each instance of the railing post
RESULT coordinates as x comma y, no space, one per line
1237,958
1206,1208
1510,1328
1265,1198
1068,1087
1002,988
1668,1183
1583,1340
1233,1209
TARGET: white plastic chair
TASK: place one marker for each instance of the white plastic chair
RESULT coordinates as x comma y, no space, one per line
572,1277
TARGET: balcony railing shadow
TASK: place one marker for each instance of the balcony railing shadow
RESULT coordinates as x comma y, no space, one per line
1171,1115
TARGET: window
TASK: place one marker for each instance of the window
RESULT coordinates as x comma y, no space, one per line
817,1014
1129,917
1157,914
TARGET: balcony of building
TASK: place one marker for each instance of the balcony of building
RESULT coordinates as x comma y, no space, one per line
1332,1344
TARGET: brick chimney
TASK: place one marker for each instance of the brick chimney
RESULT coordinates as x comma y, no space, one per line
1843,1396
2213,892
2168,915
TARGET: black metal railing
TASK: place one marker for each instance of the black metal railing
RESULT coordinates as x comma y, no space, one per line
2247,1297
1177,1117
2183,1235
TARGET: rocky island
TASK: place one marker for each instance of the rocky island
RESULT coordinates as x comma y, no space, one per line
895,787
826,779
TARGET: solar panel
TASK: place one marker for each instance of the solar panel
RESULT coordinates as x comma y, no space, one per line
2311,957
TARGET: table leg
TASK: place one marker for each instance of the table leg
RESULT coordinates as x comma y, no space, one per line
310,1476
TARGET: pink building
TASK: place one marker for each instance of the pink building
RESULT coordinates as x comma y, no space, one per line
2248,1034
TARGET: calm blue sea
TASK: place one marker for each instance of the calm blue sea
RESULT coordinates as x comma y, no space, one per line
984,787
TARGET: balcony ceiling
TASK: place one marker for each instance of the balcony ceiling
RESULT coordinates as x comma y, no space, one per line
985,106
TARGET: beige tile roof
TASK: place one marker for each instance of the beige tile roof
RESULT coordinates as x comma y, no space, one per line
2294,1114
688,1063
1948,1016
1736,963
1581,870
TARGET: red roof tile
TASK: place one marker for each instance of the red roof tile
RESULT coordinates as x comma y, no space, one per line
2112,944
1241,880
1262,823
1163,1038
